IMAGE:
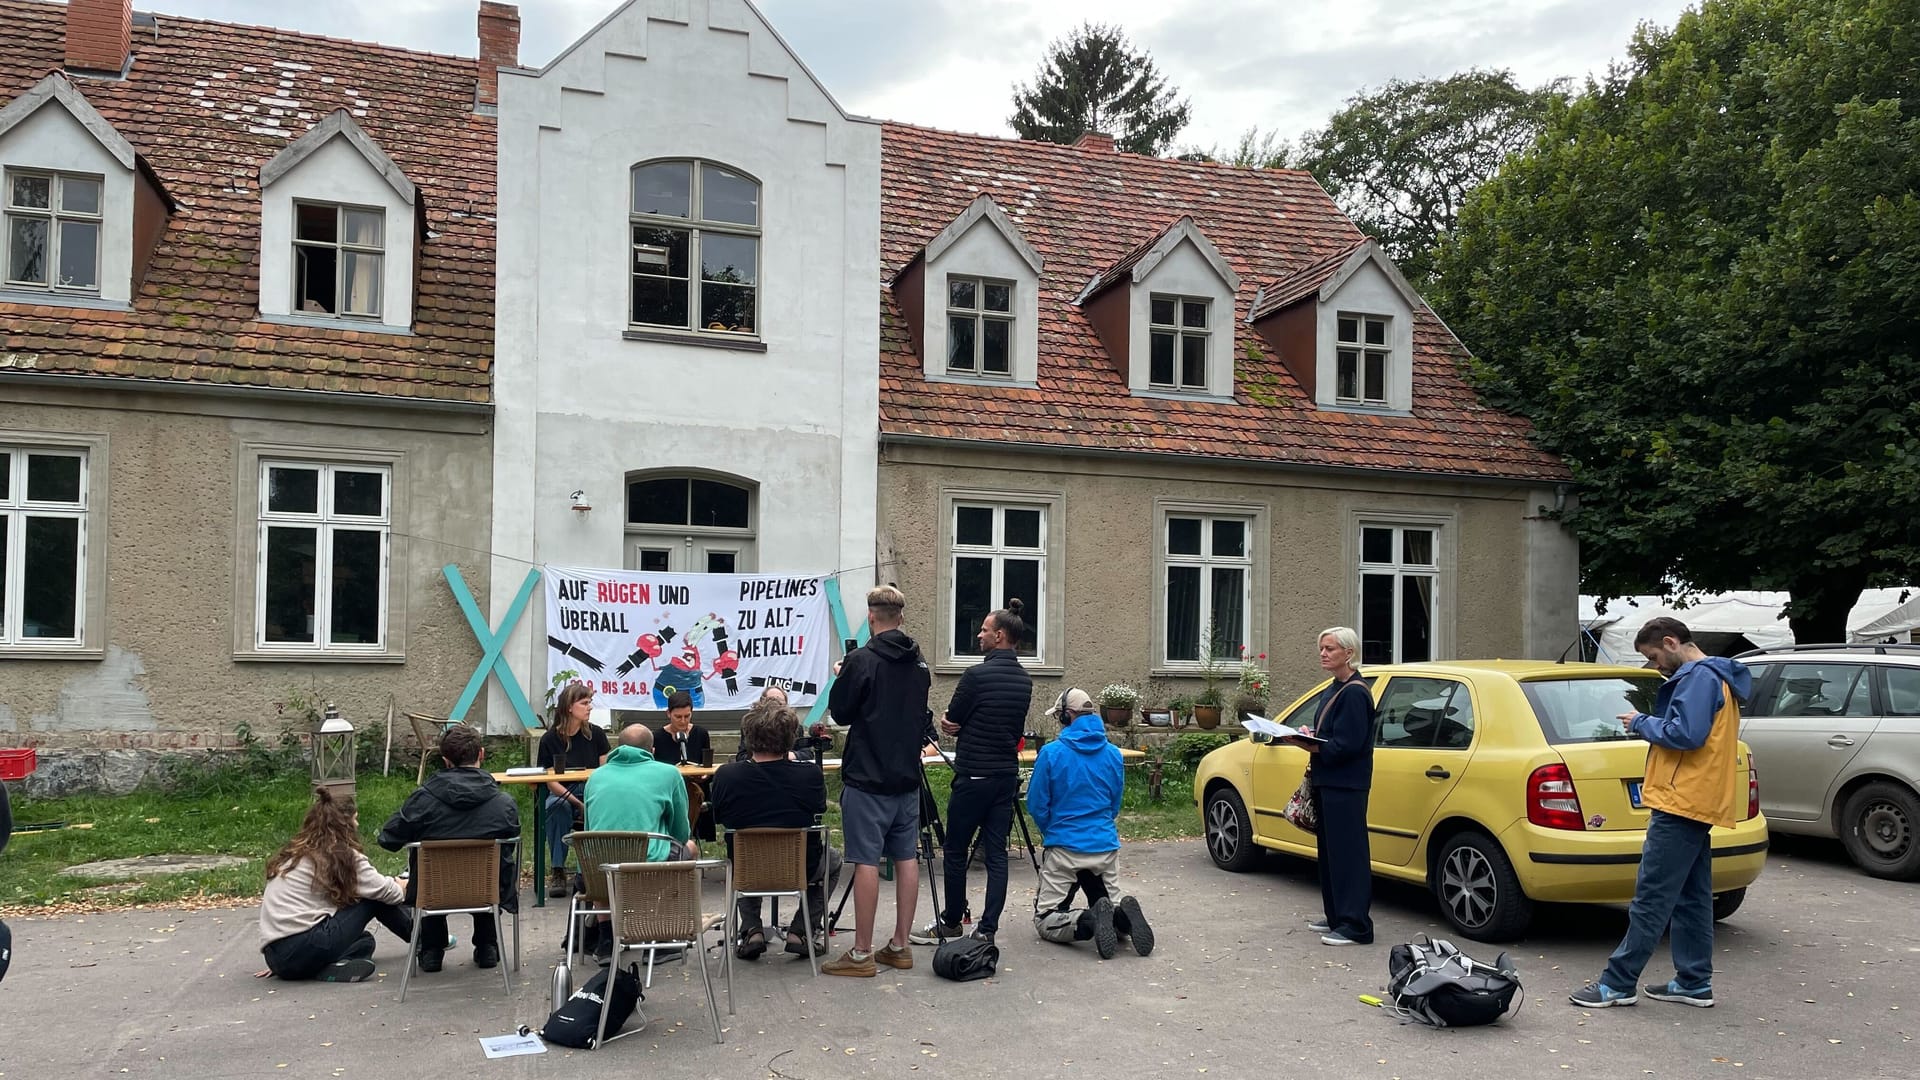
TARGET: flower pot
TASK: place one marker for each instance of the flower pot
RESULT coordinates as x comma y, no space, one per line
1207,717
1117,715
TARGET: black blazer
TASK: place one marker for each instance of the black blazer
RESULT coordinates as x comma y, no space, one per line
697,750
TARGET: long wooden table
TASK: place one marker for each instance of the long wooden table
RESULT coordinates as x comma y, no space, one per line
691,773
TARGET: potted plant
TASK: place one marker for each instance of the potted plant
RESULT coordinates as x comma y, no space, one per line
1182,708
1117,702
1255,684
1207,703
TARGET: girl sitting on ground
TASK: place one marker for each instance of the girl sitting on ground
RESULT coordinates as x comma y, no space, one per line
321,894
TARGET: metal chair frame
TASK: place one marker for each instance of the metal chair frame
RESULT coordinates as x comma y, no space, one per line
589,845
770,882
668,897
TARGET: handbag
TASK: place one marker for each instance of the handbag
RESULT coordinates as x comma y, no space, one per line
1302,809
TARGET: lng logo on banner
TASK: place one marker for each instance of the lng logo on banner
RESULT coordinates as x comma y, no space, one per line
637,637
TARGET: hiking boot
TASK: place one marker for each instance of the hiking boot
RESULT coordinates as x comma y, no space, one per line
1599,995
898,957
557,884
1132,922
351,970
1106,940
430,959
486,956
935,932
1672,991
851,965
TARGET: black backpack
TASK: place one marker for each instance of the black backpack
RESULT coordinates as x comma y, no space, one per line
1432,982
965,959
576,1022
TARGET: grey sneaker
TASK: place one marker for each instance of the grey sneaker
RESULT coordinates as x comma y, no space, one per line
1598,995
934,933
1701,998
1319,926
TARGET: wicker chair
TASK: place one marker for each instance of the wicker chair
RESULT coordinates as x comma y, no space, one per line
656,906
596,851
460,877
769,863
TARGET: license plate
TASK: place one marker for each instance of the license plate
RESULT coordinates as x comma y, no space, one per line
1633,793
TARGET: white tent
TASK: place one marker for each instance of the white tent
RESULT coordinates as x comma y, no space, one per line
1727,623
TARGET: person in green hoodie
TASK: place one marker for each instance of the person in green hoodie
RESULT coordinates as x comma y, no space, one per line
635,792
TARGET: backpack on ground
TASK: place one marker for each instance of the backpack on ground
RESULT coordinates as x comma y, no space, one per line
964,959
576,1022
1432,982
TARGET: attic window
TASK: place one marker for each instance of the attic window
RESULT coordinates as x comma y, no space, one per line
1361,354
53,231
1178,356
337,256
979,326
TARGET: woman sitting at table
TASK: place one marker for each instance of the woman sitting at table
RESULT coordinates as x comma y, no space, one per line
321,894
571,742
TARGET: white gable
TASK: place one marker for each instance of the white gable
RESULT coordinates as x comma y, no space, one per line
51,128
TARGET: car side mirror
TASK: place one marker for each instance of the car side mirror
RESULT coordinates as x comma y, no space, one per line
1262,738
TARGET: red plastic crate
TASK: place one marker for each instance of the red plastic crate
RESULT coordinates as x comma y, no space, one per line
16,764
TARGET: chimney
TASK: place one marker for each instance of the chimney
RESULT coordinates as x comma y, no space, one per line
99,34
1094,140
499,47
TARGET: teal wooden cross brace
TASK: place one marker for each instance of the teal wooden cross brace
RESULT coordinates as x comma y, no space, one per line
491,644
841,632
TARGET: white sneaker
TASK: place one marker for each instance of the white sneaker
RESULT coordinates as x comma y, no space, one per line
934,933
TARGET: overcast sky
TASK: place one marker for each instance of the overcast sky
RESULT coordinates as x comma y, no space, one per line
1280,64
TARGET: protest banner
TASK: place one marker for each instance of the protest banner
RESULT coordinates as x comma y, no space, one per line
637,637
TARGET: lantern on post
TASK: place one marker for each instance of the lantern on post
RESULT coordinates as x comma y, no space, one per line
333,752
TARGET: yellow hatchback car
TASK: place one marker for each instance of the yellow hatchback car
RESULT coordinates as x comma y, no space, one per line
1495,783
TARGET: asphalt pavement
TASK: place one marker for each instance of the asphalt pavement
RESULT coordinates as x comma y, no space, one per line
1819,977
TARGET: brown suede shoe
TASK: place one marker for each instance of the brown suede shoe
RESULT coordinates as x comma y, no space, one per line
850,966
894,956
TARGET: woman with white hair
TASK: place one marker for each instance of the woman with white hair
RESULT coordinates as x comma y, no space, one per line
1342,773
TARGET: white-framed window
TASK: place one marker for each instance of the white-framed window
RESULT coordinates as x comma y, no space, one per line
1177,354
43,546
324,544
1362,351
979,326
53,231
1399,582
999,552
695,260
690,524
1208,585
338,259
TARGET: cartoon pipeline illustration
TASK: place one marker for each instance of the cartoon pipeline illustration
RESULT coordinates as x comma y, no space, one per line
686,669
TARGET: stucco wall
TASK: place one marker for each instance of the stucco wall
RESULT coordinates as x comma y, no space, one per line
169,675
1107,531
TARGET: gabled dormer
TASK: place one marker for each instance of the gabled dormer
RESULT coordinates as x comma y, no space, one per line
1343,325
972,299
338,232
1165,313
81,210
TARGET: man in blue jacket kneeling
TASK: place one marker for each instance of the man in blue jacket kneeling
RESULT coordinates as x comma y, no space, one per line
1074,799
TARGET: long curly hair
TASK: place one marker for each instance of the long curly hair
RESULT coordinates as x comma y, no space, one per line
330,839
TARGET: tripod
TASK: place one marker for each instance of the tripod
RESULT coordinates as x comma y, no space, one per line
933,839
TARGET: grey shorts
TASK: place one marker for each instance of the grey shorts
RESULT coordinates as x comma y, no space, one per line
876,825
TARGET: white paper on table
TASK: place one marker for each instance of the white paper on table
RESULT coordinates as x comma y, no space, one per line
500,1046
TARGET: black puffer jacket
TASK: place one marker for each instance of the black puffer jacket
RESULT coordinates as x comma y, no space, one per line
881,695
990,705
457,804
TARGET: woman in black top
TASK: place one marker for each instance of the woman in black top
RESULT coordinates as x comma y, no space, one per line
1342,773
571,742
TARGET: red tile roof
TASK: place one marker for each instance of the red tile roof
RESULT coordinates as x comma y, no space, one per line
1084,210
1300,284
206,104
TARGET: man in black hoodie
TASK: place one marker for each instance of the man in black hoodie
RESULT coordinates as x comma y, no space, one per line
988,714
881,696
460,802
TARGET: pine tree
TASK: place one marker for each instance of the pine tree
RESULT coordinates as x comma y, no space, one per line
1093,80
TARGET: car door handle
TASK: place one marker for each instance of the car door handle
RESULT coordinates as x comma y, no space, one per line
1840,742
1437,773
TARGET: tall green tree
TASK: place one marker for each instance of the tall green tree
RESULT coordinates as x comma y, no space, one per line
1703,288
1402,159
1093,80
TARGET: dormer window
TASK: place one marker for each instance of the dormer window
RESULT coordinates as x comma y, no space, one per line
979,326
337,254
1177,359
1362,355
688,216
53,231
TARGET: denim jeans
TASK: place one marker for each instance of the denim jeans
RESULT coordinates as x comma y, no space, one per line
559,824
1675,891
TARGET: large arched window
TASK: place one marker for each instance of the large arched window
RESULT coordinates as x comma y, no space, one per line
691,523
696,248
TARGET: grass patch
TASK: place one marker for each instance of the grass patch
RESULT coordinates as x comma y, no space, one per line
244,811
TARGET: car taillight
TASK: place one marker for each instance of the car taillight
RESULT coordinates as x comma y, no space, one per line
1551,801
1753,789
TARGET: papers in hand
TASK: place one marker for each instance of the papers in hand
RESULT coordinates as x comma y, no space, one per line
1260,725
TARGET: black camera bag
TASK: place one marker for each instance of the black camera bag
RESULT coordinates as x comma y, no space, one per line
965,959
